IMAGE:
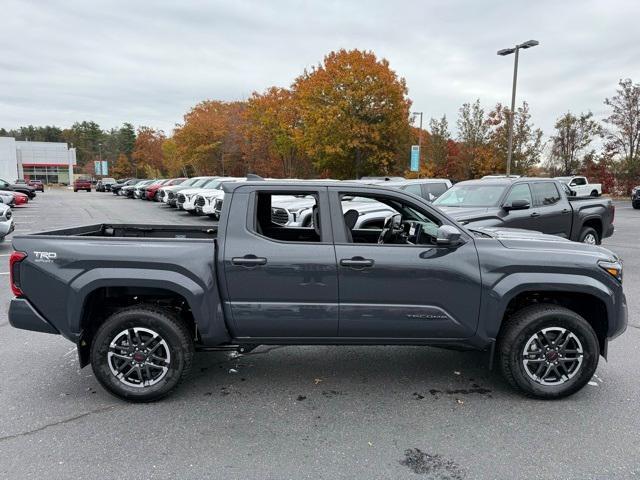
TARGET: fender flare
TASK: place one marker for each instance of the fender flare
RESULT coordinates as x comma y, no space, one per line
495,303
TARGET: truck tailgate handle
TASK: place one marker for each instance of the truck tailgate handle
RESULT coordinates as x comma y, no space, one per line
249,261
356,262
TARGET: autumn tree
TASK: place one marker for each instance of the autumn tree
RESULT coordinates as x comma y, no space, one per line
210,139
121,168
355,115
147,151
436,146
527,140
274,132
573,135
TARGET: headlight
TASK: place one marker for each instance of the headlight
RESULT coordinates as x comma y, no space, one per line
634,190
612,268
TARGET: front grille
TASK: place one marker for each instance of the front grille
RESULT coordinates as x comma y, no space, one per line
170,195
182,198
8,215
218,205
161,194
279,216
200,201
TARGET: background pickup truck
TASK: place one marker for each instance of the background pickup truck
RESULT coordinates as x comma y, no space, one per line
139,300
580,186
531,203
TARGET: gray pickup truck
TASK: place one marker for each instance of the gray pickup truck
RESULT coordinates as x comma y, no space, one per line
139,300
540,204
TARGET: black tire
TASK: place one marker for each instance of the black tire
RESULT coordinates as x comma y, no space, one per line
192,212
75,190
517,332
171,329
635,205
588,233
88,190
594,193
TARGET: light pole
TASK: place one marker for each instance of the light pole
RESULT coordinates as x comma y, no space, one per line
414,115
503,53
100,155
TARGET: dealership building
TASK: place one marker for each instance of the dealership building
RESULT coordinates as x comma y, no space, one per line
51,162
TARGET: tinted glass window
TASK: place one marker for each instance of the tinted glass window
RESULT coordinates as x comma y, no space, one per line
273,218
434,190
579,181
413,188
519,192
471,195
545,193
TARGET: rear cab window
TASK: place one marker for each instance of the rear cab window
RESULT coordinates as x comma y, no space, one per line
546,194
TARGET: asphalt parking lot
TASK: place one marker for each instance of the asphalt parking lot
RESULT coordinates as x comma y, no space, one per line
308,412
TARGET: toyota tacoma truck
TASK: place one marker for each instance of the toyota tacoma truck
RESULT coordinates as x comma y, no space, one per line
139,300
539,204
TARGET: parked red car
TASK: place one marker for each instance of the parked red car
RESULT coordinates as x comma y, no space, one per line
82,184
37,184
20,198
152,189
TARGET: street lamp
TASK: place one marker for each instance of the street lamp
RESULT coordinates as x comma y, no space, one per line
503,53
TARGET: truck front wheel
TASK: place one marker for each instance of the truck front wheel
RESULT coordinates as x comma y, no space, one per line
548,351
141,353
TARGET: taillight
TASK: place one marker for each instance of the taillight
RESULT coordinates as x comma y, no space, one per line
14,272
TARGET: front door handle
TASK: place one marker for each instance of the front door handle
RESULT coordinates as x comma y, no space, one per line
566,210
357,262
534,214
249,261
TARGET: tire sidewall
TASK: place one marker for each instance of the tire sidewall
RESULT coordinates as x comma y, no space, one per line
146,319
575,324
589,230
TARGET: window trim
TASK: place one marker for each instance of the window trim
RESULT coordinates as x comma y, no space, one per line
252,215
537,199
335,194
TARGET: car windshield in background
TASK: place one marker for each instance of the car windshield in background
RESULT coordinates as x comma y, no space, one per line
475,195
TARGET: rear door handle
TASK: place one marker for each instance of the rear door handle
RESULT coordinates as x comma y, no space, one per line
535,214
249,261
357,262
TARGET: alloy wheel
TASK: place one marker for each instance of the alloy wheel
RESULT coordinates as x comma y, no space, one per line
139,357
552,356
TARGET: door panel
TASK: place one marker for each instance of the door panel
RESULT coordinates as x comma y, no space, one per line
525,218
409,291
279,288
555,212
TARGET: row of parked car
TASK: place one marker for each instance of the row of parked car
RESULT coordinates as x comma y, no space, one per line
15,194
541,204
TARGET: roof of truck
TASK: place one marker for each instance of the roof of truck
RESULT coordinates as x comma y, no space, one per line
231,186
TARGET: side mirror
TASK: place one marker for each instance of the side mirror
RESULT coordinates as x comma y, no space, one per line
517,205
448,235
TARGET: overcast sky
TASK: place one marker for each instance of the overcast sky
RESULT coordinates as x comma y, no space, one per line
148,62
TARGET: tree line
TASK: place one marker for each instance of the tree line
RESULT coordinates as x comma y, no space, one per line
350,116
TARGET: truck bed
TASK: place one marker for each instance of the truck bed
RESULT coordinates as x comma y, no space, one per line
135,230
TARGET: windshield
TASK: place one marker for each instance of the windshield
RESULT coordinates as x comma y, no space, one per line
201,182
472,195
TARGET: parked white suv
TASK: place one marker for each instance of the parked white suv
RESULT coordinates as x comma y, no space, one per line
580,186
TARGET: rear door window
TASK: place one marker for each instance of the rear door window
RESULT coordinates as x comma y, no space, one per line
545,194
433,190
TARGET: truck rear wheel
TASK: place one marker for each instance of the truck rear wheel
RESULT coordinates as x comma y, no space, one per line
548,351
590,236
141,353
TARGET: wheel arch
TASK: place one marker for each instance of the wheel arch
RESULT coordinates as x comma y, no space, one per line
101,292
584,295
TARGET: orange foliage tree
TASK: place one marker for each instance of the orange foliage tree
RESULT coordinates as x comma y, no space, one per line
211,138
147,151
354,112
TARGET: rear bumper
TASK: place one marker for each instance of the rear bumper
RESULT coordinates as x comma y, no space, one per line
22,315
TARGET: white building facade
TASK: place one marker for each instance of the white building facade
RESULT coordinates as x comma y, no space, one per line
51,162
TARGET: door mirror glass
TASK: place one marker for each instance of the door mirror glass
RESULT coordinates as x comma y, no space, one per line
448,235
520,204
